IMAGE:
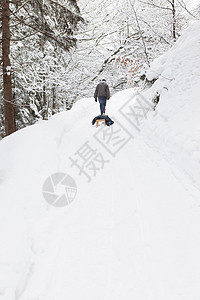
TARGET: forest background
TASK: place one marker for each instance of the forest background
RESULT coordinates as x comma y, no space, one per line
53,53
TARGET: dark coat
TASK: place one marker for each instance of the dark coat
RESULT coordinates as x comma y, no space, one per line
102,90
107,119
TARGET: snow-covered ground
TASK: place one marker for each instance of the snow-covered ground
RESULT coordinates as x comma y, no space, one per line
133,229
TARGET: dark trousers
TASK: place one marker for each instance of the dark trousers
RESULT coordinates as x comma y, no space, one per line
102,102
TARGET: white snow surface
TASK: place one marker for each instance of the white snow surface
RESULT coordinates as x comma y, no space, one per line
133,231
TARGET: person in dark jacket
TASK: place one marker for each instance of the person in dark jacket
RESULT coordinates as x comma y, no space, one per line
102,92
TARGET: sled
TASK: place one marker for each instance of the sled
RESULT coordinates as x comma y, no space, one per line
101,121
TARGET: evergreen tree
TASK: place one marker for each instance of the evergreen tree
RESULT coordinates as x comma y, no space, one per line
33,23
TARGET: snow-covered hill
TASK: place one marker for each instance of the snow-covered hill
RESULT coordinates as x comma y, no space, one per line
132,230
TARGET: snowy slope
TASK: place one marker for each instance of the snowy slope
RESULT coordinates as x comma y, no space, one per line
133,230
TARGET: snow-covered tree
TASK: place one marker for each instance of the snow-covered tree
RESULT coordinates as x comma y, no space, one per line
32,29
118,41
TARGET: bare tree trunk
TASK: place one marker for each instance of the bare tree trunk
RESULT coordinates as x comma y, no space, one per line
7,83
140,33
172,10
54,99
45,103
173,20
54,86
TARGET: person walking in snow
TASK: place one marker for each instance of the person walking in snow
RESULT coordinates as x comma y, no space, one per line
102,92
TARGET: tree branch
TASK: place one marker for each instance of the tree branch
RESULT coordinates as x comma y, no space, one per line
183,5
65,44
140,32
155,5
